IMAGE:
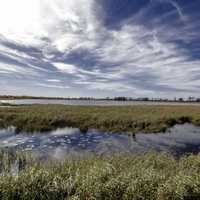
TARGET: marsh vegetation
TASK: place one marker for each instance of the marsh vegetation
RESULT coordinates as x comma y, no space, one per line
126,119
123,177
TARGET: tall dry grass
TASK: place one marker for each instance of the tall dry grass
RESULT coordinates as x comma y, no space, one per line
146,177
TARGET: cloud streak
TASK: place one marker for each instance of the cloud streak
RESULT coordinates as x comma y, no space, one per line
175,5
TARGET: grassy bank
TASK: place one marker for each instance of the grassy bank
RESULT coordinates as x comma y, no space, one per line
112,119
146,177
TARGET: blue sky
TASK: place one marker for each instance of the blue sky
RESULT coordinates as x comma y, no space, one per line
100,48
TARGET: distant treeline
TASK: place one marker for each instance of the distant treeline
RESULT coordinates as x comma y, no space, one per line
120,98
189,99
9,97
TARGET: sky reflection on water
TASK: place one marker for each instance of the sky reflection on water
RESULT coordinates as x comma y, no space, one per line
89,102
179,140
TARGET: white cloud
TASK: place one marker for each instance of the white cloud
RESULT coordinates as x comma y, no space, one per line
52,86
66,68
29,21
21,57
14,69
19,21
53,80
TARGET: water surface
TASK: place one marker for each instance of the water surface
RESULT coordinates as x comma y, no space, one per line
89,102
179,140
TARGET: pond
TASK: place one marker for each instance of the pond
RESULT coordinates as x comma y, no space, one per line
70,142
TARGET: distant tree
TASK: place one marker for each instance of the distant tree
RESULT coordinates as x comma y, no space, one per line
198,100
191,98
146,99
180,99
120,98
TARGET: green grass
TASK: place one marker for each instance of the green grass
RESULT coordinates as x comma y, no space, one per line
127,119
145,177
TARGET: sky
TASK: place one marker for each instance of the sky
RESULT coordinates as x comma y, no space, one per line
100,48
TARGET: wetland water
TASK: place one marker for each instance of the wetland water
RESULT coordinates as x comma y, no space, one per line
61,143
89,102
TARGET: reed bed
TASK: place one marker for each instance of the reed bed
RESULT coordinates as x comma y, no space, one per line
146,177
122,119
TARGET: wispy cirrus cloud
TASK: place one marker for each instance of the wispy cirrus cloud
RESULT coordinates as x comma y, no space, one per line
53,80
153,51
175,5
52,86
